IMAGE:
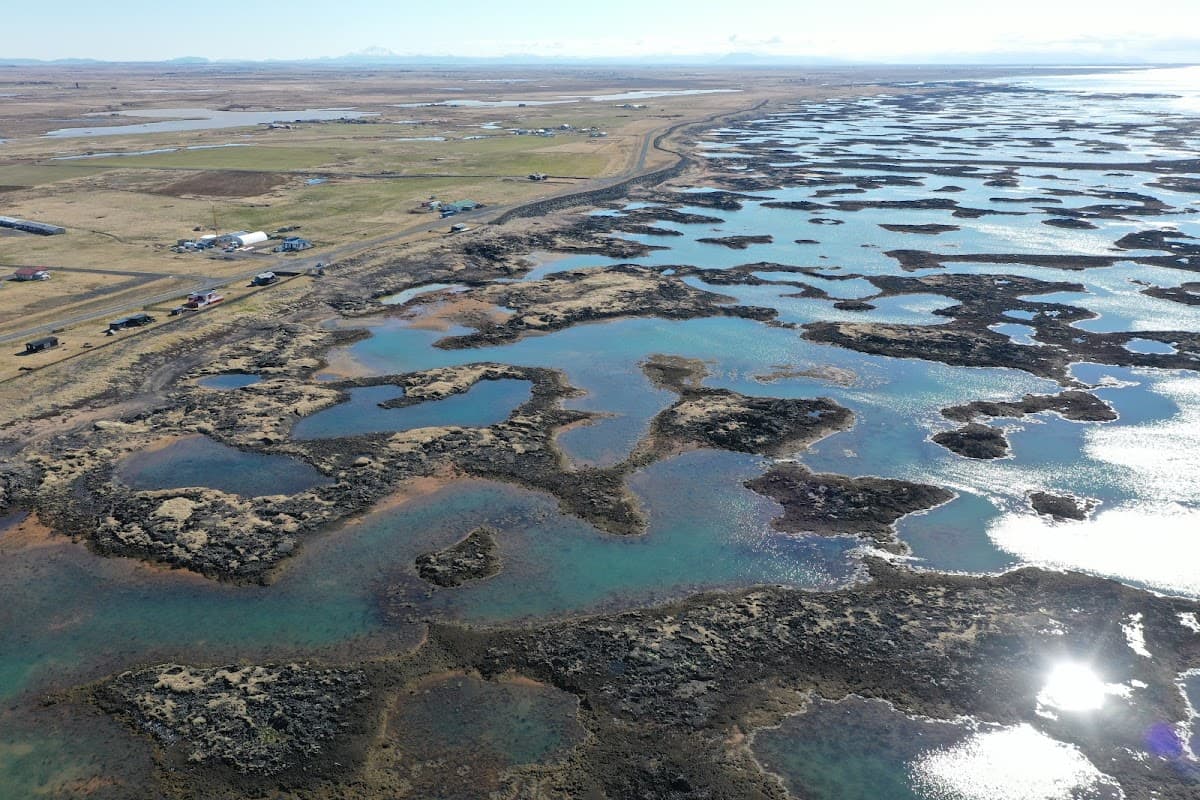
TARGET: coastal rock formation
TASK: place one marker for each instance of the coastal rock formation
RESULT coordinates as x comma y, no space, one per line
1187,294
1071,404
839,376
675,373
1061,506
830,505
472,559
259,720
563,299
666,693
967,338
686,675
726,420
932,229
737,242
974,441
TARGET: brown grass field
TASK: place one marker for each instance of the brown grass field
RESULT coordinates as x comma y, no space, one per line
338,181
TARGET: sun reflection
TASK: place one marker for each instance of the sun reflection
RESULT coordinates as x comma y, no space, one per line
1018,763
1072,686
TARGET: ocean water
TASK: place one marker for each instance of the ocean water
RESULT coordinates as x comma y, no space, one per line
70,616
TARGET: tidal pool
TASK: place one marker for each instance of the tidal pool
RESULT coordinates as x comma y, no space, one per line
232,380
486,403
860,749
200,461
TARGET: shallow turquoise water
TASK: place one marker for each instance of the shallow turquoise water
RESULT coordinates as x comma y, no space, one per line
468,720
486,403
71,617
865,750
200,461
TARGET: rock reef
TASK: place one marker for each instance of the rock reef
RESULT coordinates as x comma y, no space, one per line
472,559
831,505
257,720
974,441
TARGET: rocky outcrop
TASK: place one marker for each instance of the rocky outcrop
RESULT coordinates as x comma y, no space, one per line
726,420
564,299
1073,405
1061,506
831,505
259,720
472,559
737,242
974,441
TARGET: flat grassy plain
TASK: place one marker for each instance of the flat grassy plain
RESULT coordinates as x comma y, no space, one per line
338,182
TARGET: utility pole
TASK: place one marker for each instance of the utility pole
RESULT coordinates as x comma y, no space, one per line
214,213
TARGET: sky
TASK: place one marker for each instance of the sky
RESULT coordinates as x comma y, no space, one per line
1081,31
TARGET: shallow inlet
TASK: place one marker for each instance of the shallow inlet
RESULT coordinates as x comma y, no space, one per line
486,403
859,749
477,728
200,461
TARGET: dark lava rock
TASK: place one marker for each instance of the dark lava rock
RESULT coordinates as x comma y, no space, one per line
795,205
931,229
1070,223
472,559
950,345
564,299
676,373
853,305
1187,293
259,720
807,241
1166,239
836,504
1178,183
1061,506
974,441
826,221
726,420
737,242
1071,404
671,681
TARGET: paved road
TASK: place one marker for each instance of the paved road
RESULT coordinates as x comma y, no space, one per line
330,255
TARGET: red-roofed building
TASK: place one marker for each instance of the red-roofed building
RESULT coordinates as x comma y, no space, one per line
32,274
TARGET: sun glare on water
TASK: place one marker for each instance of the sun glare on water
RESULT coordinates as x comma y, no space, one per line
1075,687
1012,764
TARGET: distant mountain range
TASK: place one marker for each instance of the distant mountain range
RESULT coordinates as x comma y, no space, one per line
382,56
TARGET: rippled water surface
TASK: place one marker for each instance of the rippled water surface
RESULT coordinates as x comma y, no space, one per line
355,588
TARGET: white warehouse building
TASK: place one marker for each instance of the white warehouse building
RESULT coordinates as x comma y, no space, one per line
248,239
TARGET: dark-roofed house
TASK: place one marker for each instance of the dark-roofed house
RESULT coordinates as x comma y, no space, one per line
38,345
